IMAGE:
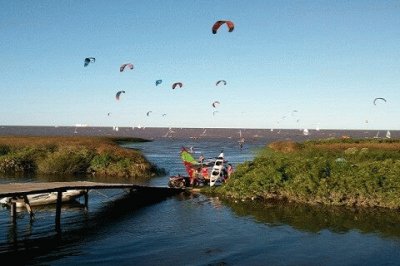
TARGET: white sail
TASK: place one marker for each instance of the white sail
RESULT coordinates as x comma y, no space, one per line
305,132
388,134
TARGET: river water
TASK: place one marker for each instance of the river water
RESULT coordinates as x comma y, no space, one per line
193,229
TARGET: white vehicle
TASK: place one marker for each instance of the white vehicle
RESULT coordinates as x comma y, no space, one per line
217,175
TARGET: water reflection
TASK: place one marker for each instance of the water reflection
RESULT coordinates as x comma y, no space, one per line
23,246
315,219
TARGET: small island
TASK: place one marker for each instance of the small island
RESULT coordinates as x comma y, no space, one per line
336,172
78,155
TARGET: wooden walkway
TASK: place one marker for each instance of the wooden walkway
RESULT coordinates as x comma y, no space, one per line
21,190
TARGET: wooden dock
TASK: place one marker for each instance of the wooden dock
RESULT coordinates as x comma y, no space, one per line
21,190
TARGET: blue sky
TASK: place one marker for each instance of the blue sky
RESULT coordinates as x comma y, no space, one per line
326,59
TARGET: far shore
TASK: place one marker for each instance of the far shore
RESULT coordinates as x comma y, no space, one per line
151,133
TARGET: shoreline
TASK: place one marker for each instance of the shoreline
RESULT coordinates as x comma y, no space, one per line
192,133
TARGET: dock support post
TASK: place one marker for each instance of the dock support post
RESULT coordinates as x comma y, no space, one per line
58,211
86,200
14,212
28,207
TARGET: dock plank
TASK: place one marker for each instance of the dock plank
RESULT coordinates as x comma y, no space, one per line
21,189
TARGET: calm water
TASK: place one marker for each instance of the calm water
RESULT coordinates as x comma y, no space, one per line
194,229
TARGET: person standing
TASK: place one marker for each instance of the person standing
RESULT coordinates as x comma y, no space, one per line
204,172
201,159
230,170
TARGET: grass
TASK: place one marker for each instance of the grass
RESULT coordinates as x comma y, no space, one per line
342,172
98,156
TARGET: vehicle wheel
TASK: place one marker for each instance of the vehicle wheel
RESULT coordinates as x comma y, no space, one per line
182,184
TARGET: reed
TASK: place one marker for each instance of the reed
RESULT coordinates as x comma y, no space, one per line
98,156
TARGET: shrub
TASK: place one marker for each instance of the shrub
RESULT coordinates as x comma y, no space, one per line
71,160
17,162
285,146
4,149
334,172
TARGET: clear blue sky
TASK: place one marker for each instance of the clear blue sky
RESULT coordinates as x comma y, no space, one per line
326,59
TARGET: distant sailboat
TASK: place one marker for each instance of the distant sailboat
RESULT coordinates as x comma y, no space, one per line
388,134
166,134
241,139
305,132
169,133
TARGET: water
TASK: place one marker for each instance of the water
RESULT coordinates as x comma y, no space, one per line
192,229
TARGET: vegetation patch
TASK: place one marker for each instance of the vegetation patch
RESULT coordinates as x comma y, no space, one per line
341,172
98,156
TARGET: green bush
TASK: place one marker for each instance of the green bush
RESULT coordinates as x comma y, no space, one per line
17,162
341,176
67,161
4,149
74,155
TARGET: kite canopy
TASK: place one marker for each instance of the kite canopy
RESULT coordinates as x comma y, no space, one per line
379,98
89,60
218,24
118,94
215,104
177,84
123,66
148,113
188,161
158,82
220,81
